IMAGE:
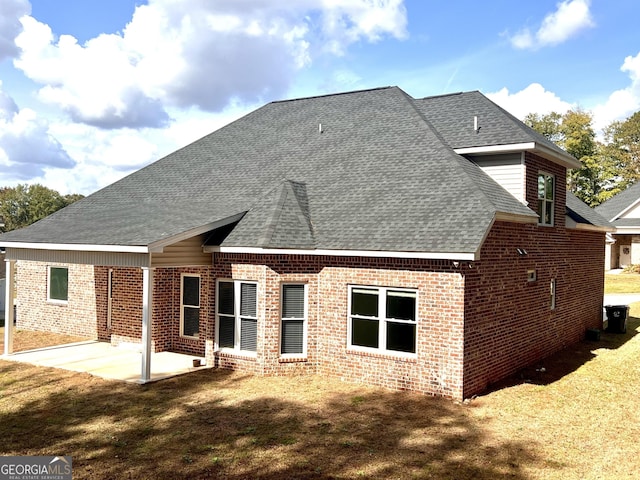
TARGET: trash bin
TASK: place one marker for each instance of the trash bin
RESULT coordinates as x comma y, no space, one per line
617,317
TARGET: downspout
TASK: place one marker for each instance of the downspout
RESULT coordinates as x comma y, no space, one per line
109,297
147,302
9,317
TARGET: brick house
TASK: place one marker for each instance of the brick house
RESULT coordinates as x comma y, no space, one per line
623,211
420,244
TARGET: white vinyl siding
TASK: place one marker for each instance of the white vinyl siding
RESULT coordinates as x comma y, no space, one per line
507,170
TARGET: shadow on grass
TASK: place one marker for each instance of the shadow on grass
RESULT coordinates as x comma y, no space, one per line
217,424
564,362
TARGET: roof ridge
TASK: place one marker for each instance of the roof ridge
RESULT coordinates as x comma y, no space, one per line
336,94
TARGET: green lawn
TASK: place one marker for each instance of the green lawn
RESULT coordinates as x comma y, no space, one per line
622,283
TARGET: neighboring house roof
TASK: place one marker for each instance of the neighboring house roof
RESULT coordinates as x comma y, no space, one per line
368,171
617,206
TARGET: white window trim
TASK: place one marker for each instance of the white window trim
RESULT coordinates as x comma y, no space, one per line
382,331
237,324
55,300
305,321
544,201
182,305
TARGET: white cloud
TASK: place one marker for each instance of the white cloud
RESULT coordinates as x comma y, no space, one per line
621,103
570,18
532,99
199,54
10,27
27,148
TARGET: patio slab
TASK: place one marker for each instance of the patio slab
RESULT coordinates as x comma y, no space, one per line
103,360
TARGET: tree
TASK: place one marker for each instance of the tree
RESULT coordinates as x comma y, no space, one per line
573,131
25,204
623,142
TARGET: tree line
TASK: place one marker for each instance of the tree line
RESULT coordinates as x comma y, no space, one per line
26,204
609,166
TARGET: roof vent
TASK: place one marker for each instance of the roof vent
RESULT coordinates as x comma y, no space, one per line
319,128
476,128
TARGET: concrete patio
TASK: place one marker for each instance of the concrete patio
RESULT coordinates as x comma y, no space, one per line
103,360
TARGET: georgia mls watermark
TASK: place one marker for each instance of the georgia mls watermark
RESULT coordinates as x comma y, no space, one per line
35,468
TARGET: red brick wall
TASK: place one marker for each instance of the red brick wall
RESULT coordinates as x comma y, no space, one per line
34,312
509,322
437,368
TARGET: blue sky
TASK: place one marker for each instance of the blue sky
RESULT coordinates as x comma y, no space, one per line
93,90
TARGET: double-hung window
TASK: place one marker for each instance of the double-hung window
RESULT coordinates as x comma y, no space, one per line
190,306
293,330
382,319
237,315
545,199
58,284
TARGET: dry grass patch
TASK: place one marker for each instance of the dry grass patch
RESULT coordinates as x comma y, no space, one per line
622,283
575,415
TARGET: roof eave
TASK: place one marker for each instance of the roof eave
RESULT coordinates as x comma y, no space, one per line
77,247
461,256
560,158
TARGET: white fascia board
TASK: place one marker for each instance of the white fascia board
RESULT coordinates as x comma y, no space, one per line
76,247
345,253
627,230
562,158
487,149
158,246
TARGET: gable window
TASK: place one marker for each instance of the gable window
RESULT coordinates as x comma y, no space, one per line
382,319
237,304
293,336
190,306
545,199
58,290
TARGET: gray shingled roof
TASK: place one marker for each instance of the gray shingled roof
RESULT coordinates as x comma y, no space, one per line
357,171
612,208
583,213
454,114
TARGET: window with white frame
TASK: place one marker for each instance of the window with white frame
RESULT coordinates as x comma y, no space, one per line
545,198
237,305
190,306
293,329
382,319
58,284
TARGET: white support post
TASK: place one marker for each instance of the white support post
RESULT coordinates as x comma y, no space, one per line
8,307
147,302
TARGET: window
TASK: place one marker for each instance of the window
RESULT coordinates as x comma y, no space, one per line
190,306
58,284
237,304
382,319
545,199
552,292
294,314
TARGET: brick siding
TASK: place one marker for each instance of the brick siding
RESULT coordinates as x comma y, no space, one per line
477,322
34,312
